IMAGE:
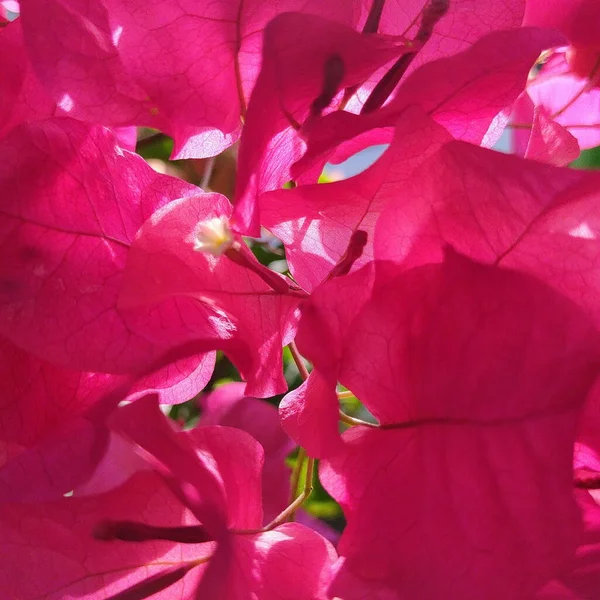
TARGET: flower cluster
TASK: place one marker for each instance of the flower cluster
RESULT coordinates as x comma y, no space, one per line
454,290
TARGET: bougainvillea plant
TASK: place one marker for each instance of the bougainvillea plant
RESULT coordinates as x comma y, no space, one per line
229,370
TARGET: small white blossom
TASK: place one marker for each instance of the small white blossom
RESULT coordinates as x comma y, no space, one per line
213,236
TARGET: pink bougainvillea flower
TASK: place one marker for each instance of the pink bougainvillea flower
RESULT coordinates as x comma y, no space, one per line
466,92
316,222
42,410
170,259
72,203
463,24
54,418
470,94
228,405
251,561
56,540
22,97
310,414
187,69
576,19
153,541
499,209
580,581
538,137
477,376
570,99
571,94
306,61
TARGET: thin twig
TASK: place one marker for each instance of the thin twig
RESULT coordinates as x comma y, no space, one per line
296,474
344,418
298,360
288,513
209,167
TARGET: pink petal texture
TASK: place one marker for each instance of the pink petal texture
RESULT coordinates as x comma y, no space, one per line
310,415
44,410
291,562
576,19
228,405
57,462
502,210
303,56
262,563
462,23
465,22
118,464
55,417
73,202
38,395
572,102
79,64
316,222
581,581
172,454
537,136
485,374
253,320
187,69
466,93
22,97
217,468
55,541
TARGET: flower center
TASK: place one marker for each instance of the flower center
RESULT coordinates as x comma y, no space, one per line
213,236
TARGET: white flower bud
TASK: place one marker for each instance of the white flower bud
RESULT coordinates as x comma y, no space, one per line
213,236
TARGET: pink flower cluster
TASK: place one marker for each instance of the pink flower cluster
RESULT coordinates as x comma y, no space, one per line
453,289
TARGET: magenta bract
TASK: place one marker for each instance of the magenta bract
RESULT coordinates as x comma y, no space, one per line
484,368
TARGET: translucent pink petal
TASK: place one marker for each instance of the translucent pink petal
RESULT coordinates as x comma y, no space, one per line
295,564
297,50
228,405
291,561
465,22
572,102
316,222
57,463
250,320
310,415
581,580
38,397
74,202
464,93
22,97
240,459
484,373
538,137
187,69
79,64
119,463
178,381
577,19
55,541
503,210
171,453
